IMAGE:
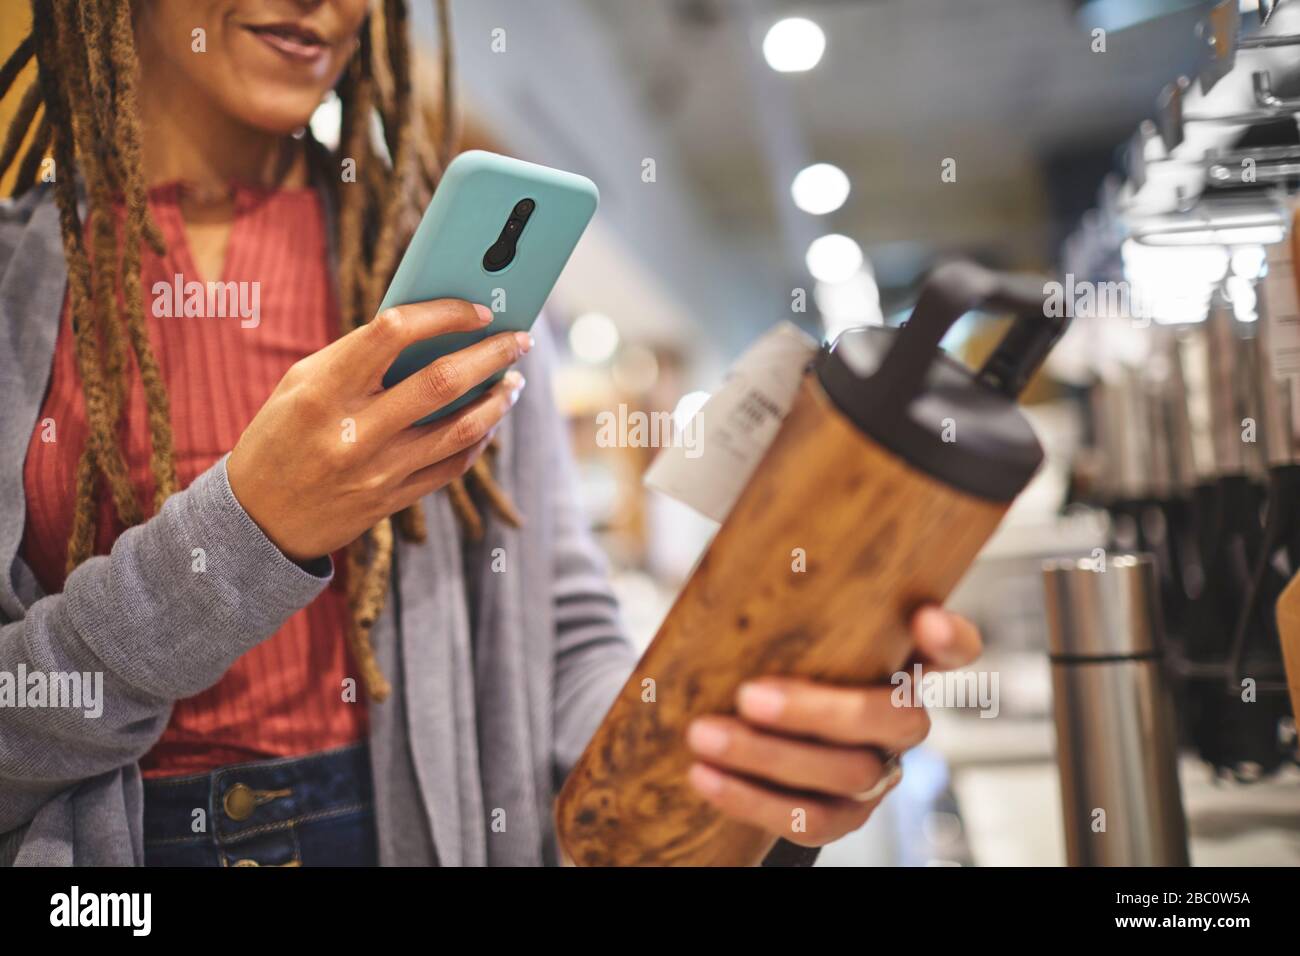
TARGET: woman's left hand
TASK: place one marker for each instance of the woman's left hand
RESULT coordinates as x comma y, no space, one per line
821,749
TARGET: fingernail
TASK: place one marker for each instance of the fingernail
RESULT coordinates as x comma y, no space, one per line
706,737
514,383
484,313
525,341
938,626
705,779
761,701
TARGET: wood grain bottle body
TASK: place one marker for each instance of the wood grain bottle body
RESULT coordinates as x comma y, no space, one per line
876,538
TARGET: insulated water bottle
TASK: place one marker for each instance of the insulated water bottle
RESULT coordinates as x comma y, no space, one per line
891,470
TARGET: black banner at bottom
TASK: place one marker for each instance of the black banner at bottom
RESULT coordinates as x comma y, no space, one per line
938,905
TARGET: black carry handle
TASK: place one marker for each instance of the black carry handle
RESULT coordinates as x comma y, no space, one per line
950,292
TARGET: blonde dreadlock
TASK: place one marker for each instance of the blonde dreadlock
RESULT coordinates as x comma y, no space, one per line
83,110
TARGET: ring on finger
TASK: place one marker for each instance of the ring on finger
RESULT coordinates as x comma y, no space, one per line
891,773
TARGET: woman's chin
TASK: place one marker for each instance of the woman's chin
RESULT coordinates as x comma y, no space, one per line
281,115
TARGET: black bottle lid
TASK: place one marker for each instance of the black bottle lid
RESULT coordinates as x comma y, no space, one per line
961,427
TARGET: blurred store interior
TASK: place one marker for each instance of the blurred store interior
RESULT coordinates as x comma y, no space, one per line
748,152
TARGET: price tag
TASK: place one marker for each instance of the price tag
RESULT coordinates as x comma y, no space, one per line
736,425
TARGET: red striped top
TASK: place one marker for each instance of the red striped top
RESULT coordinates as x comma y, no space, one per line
284,697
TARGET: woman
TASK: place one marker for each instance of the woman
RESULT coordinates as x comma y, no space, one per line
178,487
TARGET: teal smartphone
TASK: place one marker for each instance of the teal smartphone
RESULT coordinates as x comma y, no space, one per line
497,232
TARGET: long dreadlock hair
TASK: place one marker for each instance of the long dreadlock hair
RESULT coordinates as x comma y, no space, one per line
83,110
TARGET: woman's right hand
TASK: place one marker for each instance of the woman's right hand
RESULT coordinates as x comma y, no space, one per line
332,452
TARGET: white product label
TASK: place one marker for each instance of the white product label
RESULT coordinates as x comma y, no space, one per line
1280,299
736,425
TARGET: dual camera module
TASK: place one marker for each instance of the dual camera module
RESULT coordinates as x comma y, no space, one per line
502,252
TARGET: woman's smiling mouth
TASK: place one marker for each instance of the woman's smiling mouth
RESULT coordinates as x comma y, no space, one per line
294,41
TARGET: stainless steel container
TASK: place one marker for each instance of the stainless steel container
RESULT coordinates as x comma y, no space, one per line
1115,731
1232,374
1194,374
1121,408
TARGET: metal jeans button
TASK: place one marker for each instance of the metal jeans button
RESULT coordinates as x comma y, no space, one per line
241,800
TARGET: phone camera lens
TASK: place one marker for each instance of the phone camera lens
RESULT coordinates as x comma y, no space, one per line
499,255
502,252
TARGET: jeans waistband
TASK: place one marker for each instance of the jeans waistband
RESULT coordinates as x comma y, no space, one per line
247,800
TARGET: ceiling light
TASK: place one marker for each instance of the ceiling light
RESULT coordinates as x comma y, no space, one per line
833,258
820,188
794,45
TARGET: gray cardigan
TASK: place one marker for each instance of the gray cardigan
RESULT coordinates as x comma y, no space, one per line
463,735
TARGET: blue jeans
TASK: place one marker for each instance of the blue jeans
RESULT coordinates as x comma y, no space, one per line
316,810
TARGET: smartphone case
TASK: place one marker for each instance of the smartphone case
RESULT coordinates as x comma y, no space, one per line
465,217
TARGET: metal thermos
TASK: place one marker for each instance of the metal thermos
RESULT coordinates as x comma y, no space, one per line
1115,730
891,470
